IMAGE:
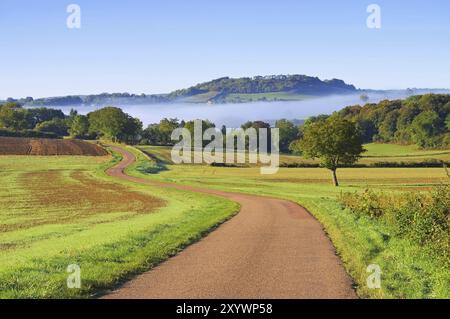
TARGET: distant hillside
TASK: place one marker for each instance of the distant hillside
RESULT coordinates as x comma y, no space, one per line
230,90
223,90
262,88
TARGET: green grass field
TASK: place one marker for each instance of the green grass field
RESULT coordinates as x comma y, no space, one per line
394,150
376,154
57,211
409,271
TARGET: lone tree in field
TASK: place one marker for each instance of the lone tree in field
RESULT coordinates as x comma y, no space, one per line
336,141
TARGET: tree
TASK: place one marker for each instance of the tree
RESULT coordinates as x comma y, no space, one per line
160,133
336,141
39,115
166,127
79,127
388,127
288,133
14,117
257,125
206,124
56,125
132,130
112,123
295,147
426,128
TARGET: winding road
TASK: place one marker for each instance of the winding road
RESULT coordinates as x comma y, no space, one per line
272,249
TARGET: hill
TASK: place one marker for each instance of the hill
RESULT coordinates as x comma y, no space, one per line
262,88
222,90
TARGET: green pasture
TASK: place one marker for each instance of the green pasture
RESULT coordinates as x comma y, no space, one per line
57,211
409,271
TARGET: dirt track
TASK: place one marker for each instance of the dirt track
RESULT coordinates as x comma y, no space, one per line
46,147
271,249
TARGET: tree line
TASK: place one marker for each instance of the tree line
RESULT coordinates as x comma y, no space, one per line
336,139
108,123
423,120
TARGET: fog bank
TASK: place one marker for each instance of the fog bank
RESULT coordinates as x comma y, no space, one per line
233,115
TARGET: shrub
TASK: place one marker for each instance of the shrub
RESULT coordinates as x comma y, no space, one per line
421,217
367,203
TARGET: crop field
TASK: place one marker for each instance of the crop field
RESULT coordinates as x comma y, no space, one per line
45,147
61,210
409,270
376,154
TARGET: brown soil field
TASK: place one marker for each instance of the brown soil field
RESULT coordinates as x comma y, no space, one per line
43,146
65,198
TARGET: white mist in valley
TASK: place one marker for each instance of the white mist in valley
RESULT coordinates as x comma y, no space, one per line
233,115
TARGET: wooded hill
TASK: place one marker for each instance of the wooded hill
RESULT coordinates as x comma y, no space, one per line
223,90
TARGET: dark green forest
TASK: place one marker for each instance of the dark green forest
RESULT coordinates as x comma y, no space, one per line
423,120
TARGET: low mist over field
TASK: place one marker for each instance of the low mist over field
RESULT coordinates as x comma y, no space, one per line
233,115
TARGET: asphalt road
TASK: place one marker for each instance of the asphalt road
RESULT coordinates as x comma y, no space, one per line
272,249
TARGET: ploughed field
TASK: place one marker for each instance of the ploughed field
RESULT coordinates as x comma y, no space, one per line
45,147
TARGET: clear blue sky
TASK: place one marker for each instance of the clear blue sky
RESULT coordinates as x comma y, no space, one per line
158,46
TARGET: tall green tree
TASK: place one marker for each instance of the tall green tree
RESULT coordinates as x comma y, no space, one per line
206,124
113,124
257,125
335,141
288,133
14,117
160,133
39,115
79,127
388,127
426,128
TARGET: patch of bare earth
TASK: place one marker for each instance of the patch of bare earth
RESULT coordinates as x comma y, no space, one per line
43,146
65,199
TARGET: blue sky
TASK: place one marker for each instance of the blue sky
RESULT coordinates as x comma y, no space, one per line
158,46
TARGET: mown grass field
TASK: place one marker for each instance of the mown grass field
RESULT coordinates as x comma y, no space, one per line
375,154
409,270
62,210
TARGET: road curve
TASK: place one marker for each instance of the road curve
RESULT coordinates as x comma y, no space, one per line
272,249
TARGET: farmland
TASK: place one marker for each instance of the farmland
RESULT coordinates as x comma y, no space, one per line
409,270
42,146
377,155
62,210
